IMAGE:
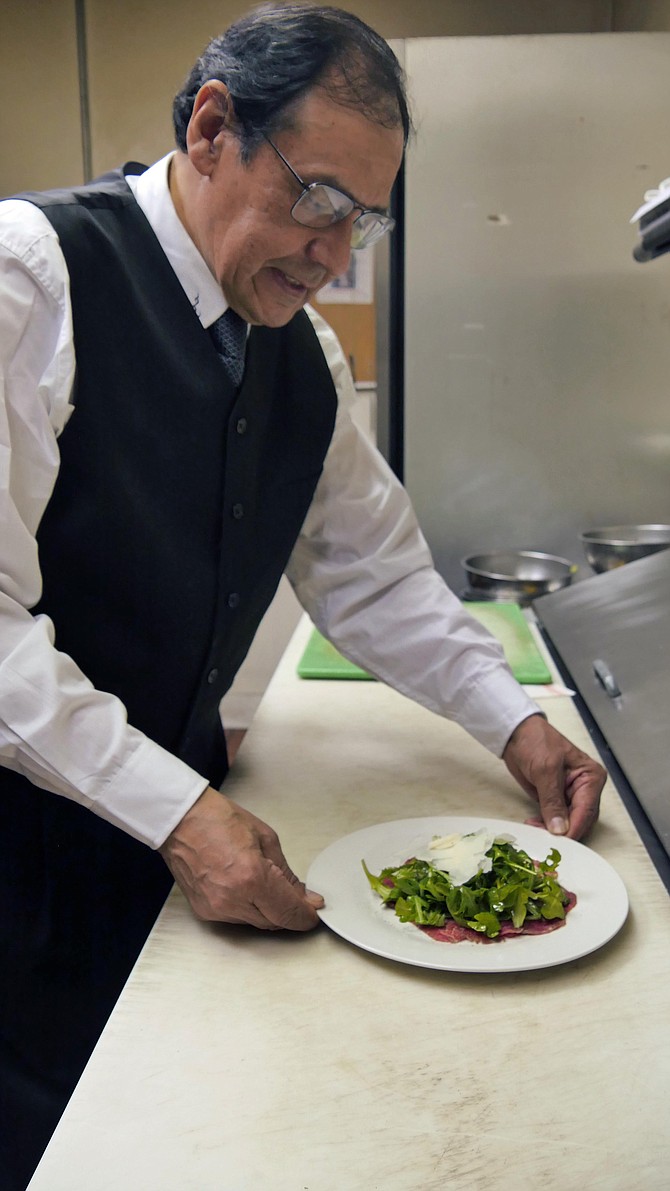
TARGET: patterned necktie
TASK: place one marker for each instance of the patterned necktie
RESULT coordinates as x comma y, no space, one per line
230,340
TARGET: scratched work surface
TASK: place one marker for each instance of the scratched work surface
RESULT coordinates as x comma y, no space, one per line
236,1059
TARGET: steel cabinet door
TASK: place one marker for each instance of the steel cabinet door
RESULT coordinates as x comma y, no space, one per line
613,634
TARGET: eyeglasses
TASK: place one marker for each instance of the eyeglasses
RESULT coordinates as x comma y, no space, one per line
321,205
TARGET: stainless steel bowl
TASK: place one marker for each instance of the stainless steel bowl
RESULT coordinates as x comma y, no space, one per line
516,575
616,545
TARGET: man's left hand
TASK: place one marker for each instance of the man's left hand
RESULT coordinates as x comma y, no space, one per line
565,781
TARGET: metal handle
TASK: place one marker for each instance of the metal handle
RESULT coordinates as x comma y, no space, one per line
606,678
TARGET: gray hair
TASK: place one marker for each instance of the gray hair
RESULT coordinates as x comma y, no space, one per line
270,58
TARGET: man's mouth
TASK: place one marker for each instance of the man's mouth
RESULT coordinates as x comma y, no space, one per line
296,285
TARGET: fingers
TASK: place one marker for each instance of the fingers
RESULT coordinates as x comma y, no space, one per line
231,868
551,797
583,809
566,782
535,759
584,792
283,905
273,852
252,891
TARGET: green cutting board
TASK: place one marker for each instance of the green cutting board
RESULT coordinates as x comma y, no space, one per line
323,660
508,623
505,621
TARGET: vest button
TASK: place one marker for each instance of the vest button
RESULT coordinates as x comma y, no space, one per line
238,511
212,676
241,426
233,599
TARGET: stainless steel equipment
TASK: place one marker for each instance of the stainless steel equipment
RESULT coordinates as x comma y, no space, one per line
529,351
613,635
536,349
516,575
616,545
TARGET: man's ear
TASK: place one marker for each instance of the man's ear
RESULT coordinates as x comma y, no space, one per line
212,114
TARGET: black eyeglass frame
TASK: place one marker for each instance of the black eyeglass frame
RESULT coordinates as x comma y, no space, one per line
374,226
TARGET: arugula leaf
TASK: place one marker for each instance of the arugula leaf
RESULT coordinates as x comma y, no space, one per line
517,888
386,892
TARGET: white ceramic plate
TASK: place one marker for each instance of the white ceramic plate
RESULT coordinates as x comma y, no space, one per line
353,911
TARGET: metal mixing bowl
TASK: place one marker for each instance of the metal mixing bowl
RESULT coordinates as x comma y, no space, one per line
516,575
616,545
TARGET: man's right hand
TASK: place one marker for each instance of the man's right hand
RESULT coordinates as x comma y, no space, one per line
231,868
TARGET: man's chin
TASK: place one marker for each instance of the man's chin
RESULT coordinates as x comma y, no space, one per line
273,315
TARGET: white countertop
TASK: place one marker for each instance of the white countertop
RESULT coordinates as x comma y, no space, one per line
236,1059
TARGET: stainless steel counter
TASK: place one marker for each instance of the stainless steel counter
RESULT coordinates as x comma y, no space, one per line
236,1059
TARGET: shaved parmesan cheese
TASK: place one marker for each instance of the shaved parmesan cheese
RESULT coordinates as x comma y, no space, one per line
461,856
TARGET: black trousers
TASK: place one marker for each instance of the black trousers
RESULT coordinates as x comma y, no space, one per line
78,899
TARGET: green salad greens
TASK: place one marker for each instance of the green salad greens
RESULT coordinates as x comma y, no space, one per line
515,890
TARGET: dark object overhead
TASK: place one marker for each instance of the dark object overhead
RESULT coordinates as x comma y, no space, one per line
654,233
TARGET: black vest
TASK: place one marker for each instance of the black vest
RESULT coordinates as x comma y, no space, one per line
177,505
173,516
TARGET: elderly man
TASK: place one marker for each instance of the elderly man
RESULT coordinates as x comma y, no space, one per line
175,438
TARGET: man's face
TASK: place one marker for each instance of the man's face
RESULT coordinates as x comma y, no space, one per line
268,265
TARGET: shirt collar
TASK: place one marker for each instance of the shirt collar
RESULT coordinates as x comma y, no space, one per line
153,196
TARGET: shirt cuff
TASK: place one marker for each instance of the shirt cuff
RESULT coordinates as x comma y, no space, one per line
495,705
150,795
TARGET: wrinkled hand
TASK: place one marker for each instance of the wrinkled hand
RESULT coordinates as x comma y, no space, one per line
564,780
231,868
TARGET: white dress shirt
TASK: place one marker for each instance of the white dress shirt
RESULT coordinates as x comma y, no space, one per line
361,567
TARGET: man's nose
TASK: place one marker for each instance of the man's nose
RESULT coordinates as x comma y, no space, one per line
331,248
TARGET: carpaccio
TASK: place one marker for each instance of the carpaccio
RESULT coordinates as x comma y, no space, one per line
451,932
